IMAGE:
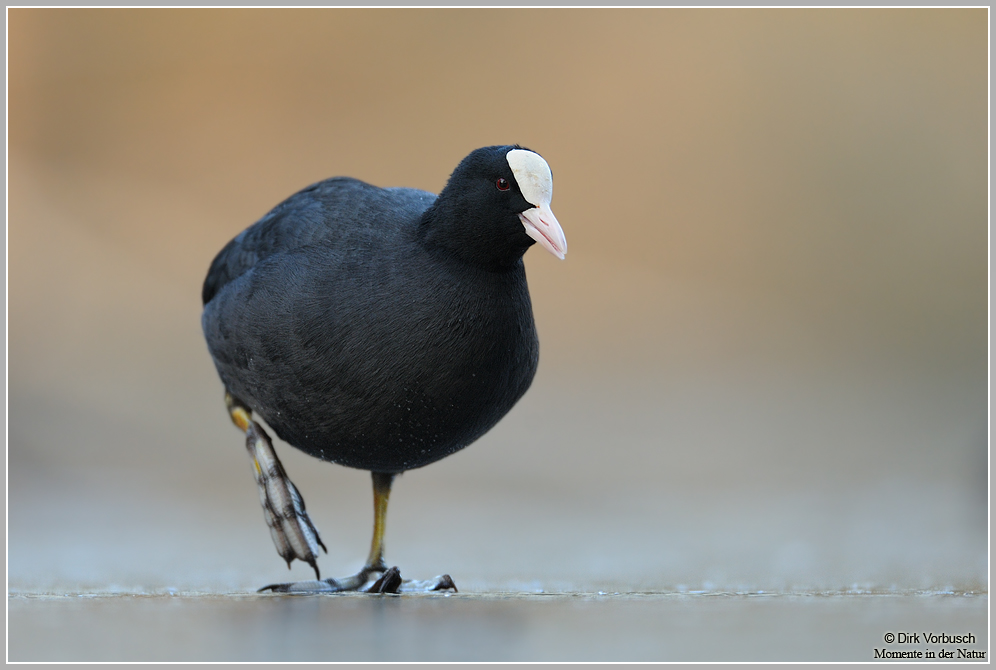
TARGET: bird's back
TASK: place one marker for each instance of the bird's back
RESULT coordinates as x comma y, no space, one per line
332,211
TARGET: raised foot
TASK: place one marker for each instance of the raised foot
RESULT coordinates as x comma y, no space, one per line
388,581
292,530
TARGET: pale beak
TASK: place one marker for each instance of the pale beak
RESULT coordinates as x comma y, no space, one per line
542,226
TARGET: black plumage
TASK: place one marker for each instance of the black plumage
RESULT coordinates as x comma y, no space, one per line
381,328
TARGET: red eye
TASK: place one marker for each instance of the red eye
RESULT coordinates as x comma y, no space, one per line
502,184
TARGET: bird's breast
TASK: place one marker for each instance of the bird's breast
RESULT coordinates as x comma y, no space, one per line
404,373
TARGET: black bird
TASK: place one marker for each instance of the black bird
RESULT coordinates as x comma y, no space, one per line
379,328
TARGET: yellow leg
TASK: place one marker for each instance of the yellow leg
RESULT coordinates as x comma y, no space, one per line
382,492
241,415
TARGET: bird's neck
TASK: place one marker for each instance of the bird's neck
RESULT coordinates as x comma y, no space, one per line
446,230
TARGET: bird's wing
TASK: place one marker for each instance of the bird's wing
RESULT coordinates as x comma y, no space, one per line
329,211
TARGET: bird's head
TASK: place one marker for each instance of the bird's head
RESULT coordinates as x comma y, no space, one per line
496,204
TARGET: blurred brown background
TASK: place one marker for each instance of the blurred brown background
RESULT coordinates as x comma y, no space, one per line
763,361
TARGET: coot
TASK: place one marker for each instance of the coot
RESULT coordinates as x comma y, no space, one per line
378,328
